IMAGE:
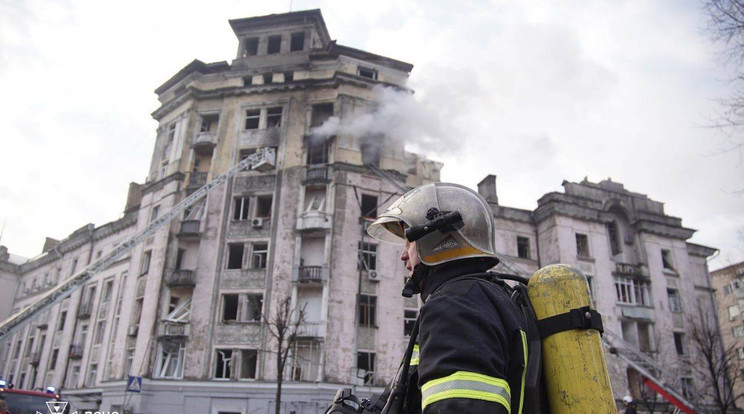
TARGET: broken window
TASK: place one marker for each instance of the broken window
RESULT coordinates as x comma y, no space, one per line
181,311
223,364
235,256
666,260
320,114
688,388
366,363
317,151
367,256
367,72
582,245
590,282
274,117
154,213
100,328
297,42
248,80
409,319
170,360
523,247
246,152
275,44
108,287
675,305
259,255
367,310
251,46
229,307
62,319
252,116
268,78
170,137
369,206
53,359
248,363
314,199
613,234
679,343
240,211
253,307
263,206
288,76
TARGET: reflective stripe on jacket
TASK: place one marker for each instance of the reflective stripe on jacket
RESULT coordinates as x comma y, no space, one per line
471,353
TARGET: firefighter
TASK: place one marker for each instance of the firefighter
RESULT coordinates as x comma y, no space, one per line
470,351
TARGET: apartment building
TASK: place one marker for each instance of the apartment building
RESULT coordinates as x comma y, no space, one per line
729,288
187,310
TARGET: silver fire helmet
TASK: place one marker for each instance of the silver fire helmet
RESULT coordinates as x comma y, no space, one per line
473,239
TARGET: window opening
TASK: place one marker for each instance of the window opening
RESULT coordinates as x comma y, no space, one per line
523,247
235,256
666,260
675,304
369,206
229,308
367,310
366,362
251,46
320,114
181,313
613,235
368,256
288,76
367,73
240,211
263,206
297,42
253,307
259,256
170,360
252,116
679,343
268,78
582,245
248,363
274,117
275,44
223,364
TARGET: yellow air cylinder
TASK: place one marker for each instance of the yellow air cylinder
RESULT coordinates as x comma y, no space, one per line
574,365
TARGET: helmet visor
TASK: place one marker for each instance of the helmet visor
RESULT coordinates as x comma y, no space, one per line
388,229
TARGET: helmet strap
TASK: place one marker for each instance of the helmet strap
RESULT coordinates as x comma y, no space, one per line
413,283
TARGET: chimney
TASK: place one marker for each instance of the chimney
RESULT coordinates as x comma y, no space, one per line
4,255
487,188
134,197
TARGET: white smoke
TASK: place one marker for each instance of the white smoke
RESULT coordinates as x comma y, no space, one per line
394,119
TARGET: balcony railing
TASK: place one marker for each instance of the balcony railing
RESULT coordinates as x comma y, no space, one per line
311,330
197,180
629,269
76,351
310,274
180,277
316,173
205,139
174,329
84,310
190,228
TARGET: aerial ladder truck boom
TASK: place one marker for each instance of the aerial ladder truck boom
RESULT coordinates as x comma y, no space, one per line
262,160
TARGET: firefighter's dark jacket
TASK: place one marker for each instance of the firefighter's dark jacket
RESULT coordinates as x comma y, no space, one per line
471,349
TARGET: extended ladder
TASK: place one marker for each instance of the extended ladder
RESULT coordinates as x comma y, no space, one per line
262,160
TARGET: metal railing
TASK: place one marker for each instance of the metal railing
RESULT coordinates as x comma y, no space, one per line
197,179
315,173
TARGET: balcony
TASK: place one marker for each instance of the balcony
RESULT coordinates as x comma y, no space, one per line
204,141
314,220
197,180
311,330
180,277
311,274
84,310
626,269
174,329
190,229
76,351
316,174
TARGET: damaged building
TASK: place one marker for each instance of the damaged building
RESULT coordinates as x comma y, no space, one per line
187,310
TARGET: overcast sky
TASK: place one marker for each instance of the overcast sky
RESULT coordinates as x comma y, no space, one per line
536,92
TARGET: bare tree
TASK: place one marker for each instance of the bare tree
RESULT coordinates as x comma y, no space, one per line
716,364
284,327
